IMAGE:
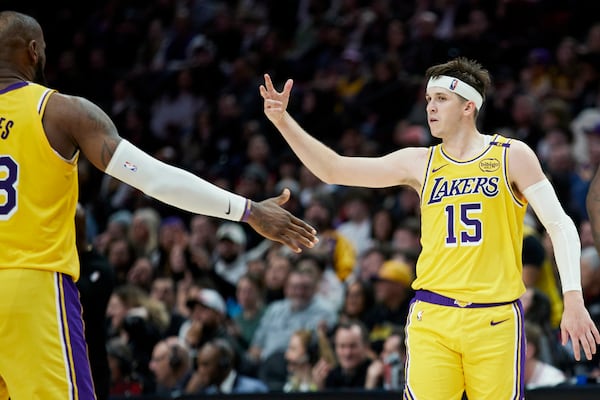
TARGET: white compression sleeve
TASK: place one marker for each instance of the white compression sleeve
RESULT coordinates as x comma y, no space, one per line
172,185
562,231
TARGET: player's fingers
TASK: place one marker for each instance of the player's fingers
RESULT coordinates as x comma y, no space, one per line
301,236
302,227
576,348
591,341
290,243
596,334
283,197
587,348
287,89
268,83
564,336
263,91
273,105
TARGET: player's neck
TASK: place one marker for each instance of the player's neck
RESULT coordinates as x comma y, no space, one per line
465,145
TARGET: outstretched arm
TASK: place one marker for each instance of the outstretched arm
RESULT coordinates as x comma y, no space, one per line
77,123
526,173
405,166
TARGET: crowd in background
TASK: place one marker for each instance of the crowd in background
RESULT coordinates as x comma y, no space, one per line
205,306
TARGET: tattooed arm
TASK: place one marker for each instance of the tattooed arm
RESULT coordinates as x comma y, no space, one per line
74,123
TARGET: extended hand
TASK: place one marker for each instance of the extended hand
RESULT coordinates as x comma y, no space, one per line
275,102
577,325
274,222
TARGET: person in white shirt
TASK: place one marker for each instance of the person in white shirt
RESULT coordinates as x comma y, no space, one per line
538,373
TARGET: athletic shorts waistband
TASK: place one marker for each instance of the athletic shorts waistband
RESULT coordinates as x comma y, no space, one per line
434,298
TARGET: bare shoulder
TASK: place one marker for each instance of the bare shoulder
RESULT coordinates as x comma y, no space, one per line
523,165
84,124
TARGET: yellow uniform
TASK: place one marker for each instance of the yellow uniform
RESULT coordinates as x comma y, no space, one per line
43,348
466,319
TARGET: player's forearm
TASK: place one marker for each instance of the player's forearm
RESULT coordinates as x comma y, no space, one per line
317,157
562,232
172,185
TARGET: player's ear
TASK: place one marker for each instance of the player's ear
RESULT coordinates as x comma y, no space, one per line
469,107
33,49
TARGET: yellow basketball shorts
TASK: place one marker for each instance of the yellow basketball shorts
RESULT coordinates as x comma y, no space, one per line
43,354
454,347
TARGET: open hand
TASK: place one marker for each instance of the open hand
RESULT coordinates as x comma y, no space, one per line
275,102
275,223
577,325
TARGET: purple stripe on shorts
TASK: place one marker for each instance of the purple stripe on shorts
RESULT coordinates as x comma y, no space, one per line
520,367
434,298
83,376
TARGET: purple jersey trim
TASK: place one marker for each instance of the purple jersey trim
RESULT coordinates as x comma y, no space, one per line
14,86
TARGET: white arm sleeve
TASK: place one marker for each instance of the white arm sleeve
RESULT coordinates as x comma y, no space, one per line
562,231
172,185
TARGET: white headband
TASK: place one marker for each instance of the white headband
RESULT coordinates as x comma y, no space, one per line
457,86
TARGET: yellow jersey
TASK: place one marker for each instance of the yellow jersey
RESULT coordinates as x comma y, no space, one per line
472,227
38,188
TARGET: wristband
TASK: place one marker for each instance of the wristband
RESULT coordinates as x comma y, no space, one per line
247,211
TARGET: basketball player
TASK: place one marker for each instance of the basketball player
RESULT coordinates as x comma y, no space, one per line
465,324
43,353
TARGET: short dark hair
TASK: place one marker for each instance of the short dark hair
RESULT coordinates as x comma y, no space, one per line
364,332
468,71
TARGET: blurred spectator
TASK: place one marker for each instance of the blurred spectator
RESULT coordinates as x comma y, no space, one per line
276,274
121,256
387,371
216,372
329,287
358,300
382,228
163,290
230,254
143,233
250,298
392,299
301,355
141,273
171,365
370,263
117,228
538,272
207,319
123,379
537,372
337,250
351,344
300,309
356,205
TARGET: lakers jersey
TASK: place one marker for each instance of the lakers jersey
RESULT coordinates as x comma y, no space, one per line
38,188
472,227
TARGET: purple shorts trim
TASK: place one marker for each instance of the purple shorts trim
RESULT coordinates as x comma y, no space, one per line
434,298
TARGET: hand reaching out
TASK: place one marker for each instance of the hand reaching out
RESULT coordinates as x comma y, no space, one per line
269,219
275,102
577,325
